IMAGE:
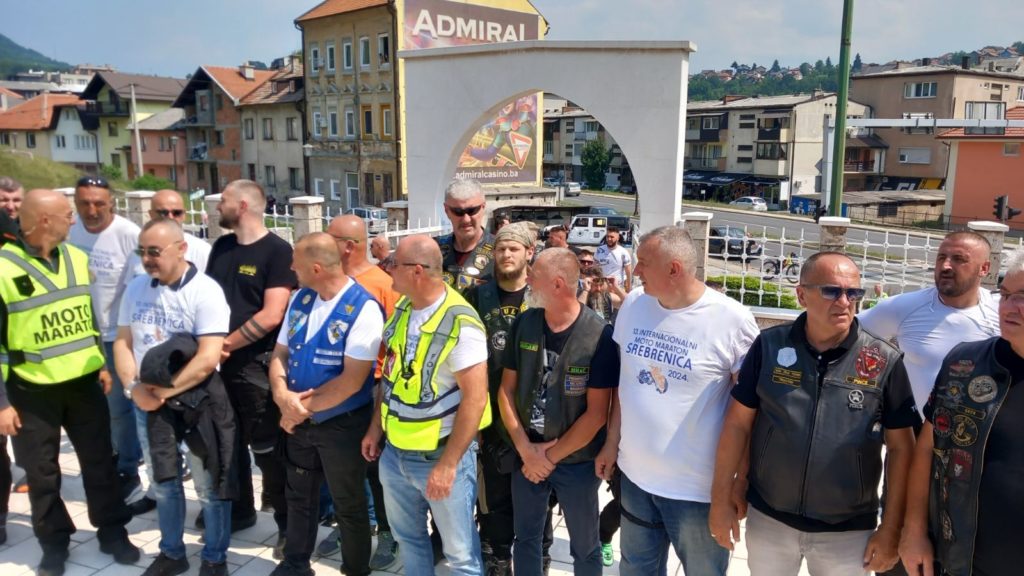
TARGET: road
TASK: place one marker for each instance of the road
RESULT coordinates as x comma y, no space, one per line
900,260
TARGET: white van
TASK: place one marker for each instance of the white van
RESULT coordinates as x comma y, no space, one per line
588,229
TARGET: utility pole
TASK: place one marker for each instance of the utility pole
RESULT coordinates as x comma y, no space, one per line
138,139
839,147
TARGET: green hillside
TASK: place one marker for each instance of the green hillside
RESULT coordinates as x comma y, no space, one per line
16,58
36,172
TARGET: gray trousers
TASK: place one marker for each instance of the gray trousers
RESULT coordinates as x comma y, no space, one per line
775,549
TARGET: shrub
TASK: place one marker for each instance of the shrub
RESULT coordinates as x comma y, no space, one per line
111,172
151,182
756,292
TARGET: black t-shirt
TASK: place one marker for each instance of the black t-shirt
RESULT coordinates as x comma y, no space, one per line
897,412
604,367
997,547
245,272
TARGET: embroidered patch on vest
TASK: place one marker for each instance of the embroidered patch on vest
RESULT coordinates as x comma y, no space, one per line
576,379
870,362
335,330
961,368
531,346
786,357
965,431
480,261
963,464
943,422
862,382
982,389
786,377
972,412
24,285
856,400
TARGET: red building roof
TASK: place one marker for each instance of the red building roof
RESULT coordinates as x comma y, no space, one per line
333,7
35,114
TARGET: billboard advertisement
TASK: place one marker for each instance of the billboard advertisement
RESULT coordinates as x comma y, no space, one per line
506,148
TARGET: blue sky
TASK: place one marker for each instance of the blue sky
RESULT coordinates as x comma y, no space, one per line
173,37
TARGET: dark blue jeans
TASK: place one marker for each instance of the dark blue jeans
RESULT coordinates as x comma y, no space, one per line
576,487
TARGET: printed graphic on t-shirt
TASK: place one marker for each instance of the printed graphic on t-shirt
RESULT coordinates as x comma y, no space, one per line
541,400
667,357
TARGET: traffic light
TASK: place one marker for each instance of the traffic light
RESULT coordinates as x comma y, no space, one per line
999,208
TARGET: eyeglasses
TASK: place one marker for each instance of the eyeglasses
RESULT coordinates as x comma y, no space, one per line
394,264
153,251
586,262
460,212
1015,298
168,213
834,292
92,181
345,238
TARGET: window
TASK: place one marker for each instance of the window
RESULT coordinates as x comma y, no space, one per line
747,116
747,125
142,142
771,151
385,120
5,139
314,60
346,55
294,179
1011,149
710,123
248,129
985,111
330,56
30,140
364,52
218,138
915,155
336,190
744,160
367,188
318,186
920,89
549,147
201,172
268,128
383,50
1020,93
271,176
62,143
773,123
888,210
317,122
204,102
745,147
333,114
568,149
252,172
350,123
591,126
112,129
69,114
352,189
219,101
162,142
918,116
115,161
367,121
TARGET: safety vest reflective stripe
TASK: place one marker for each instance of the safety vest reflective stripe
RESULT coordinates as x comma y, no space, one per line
47,298
60,350
32,271
425,412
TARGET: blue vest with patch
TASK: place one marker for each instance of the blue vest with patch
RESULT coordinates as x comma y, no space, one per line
314,363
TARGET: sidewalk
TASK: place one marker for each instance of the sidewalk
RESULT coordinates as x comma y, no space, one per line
250,552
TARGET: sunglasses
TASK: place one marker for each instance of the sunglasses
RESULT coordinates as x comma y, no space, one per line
460,212
92,181
169,213
834,292
586,262
394,264
153,251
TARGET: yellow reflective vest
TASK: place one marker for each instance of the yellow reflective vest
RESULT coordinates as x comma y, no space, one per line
412,410
50,334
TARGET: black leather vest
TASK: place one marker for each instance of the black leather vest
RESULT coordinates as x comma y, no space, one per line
498,322
567,385
817,438
476,269
968,394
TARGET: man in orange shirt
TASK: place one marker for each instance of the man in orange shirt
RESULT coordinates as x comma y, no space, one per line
349,232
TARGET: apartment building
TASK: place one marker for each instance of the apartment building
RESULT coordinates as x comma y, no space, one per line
567,129
272,127
213,123
916,158
32,126
162,137
765,146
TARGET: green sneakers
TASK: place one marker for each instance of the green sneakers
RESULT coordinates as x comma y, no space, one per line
607,555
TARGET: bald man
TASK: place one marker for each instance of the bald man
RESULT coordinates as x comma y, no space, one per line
173,298
380,248
433,404
321,376
349,232
168,204
57,379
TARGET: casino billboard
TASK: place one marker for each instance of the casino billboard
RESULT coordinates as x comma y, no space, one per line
506,148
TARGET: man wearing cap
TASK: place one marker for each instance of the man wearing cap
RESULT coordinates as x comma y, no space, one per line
110,241
468,252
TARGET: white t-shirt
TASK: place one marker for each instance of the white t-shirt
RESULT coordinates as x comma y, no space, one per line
613,261
471,349
112,264
674,385
363,339
926,330
197,251
154,313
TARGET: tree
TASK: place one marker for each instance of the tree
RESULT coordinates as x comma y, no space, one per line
596,160
805,69
775,66
857,63
828,63
734,65
819,66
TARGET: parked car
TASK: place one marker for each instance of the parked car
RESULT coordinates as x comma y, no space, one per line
754,203
376,218
606,210
551,182
590,229
732,241
572,188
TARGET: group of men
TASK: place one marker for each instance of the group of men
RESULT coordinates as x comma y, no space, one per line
470,382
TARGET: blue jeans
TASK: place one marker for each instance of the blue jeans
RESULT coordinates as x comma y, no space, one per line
122,421
576,487
170,508
403,473
650,523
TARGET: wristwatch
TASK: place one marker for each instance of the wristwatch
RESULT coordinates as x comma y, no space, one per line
131,386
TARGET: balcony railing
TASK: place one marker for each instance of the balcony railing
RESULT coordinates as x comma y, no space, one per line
703,163
859,166
107,109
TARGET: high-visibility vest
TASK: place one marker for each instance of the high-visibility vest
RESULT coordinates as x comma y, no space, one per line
50,333
412,411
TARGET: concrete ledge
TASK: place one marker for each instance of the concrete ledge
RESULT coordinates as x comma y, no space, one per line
140,194
306,200
986,226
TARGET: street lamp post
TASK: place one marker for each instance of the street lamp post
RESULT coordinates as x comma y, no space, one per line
839,146
174,159
307,151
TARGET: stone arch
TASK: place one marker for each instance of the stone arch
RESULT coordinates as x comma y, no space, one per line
637,90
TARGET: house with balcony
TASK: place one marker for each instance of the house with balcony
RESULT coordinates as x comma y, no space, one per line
32,126
162,138
272,126
213,123
770,147
984,163
109,96
917,159
567,129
